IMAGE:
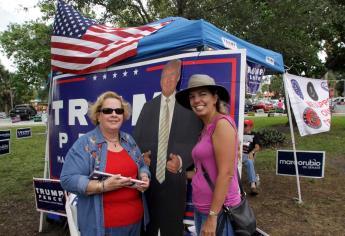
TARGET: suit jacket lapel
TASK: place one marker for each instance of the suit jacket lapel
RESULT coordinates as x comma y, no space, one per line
155,117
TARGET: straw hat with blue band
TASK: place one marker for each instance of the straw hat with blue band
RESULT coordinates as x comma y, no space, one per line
199,81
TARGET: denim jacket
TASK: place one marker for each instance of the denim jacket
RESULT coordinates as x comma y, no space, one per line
89,153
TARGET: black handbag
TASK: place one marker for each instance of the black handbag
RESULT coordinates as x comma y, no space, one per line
242,216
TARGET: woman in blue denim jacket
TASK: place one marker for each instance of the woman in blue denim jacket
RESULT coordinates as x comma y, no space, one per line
114,206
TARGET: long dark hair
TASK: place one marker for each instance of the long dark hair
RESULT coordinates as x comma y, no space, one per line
221,106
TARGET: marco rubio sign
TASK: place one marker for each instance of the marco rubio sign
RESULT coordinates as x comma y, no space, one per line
310,163
24,133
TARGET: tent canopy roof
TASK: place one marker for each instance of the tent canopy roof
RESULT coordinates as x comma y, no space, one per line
182,34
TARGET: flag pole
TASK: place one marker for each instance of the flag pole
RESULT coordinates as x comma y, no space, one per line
293,142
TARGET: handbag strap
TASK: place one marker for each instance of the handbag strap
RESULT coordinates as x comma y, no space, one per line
210,183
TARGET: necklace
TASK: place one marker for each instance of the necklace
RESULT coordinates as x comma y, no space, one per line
114,142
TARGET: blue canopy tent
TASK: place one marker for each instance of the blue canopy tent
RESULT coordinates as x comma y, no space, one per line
182,35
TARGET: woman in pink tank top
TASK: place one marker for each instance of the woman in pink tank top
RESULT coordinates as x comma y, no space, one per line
216,152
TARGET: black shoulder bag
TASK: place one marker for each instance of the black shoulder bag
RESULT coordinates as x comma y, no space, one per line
242,217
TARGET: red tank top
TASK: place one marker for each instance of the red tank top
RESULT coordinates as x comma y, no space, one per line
123,206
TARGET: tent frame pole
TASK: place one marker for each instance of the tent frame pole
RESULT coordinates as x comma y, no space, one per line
293,142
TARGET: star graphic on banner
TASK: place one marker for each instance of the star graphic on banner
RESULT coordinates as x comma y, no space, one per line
114,75
135,72
125,73
105,76
94,77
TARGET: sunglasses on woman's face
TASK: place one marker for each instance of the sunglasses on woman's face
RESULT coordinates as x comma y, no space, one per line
109,111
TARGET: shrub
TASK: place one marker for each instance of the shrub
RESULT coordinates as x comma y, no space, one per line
271,137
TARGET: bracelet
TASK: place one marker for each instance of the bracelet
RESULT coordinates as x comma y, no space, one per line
212,213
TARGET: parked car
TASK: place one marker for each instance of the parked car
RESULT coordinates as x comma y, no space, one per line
24,111
248,106
337,105
336,102
264,105
3,115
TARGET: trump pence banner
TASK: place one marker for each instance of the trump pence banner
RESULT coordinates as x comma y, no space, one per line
49,196
255,72
137,83
310,103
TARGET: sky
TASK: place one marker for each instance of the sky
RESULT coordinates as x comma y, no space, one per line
11,11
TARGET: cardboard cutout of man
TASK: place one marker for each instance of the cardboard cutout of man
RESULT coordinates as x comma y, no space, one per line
166,198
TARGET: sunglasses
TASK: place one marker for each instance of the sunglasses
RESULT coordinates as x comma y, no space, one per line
109,111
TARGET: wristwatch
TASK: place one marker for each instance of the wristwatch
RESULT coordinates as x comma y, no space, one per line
212,213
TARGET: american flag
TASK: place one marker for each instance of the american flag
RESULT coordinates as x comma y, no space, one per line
79,45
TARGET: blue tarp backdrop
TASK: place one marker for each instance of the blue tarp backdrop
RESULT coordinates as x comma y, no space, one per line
182,34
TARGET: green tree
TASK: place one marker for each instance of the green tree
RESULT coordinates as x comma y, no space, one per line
293,28
29,46
277,86
297,29
5,90
13,90
333,35
265,88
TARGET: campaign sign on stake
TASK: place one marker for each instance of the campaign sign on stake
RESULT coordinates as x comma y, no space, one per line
24,133
4,147
5,134
310,163
49,195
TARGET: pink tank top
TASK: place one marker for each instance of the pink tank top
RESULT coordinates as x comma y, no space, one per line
203,153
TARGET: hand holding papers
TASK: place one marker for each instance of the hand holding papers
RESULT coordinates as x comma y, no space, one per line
122,181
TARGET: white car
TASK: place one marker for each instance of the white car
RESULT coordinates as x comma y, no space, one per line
3,115
338,105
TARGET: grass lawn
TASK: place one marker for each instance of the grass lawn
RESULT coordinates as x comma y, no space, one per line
322,211
18,215
331,142
25,161
323,208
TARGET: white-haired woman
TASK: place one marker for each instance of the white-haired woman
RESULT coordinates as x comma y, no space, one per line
107,207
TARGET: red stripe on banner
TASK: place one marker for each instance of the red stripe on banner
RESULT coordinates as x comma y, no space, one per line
232,62
72,47
233,89
187,213
196,62
70,80
153,68
210,61
130,53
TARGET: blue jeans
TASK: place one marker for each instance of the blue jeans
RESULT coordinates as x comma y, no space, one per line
249,168
200,218
128,230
